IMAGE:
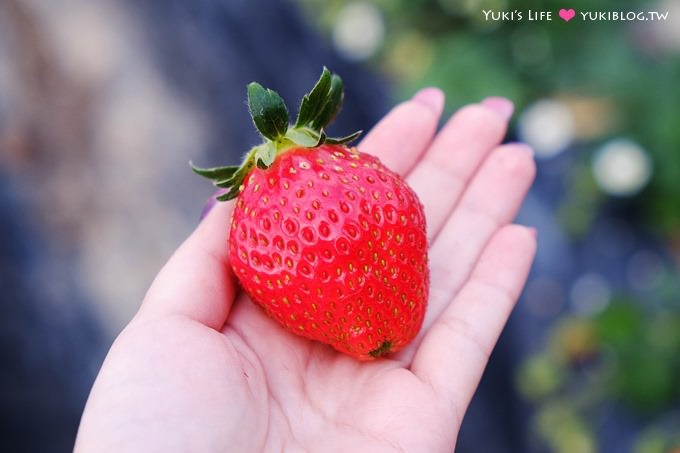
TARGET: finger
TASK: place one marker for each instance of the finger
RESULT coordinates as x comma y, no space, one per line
404,133
492,200
461,146
197,282
455,351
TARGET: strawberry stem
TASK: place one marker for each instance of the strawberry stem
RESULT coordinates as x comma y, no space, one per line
268,111
381,350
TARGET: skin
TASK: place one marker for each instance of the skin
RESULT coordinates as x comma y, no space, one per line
200,368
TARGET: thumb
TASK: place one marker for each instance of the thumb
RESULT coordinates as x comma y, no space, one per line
197,281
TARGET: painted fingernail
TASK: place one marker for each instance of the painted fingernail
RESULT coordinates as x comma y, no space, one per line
502,106
431,97
210,204
523,147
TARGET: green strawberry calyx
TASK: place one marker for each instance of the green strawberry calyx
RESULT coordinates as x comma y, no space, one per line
269,113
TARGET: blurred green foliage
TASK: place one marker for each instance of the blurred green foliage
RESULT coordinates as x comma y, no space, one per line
628,354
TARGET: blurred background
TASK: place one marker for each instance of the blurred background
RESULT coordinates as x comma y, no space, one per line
103,103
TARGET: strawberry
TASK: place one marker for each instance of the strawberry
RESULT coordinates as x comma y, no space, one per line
330,242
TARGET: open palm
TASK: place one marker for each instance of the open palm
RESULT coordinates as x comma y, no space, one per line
201,368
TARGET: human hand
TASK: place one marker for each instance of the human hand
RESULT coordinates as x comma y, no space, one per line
201,368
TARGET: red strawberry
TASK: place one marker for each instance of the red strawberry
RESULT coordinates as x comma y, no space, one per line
326,239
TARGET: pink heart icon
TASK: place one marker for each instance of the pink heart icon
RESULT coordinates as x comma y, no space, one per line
567,14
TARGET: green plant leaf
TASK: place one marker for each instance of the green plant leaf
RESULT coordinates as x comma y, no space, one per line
233,193
343,140
303,137
270,115
332,105
313,102
215,173
268,111
239,175
265,155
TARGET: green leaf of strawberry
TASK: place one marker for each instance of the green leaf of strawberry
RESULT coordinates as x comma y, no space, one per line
332,105
270,116
265,155
217,173
313,103
268,111
305,137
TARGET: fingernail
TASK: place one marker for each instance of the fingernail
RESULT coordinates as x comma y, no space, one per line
431,97
502,106
210,204
523,147
533,231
